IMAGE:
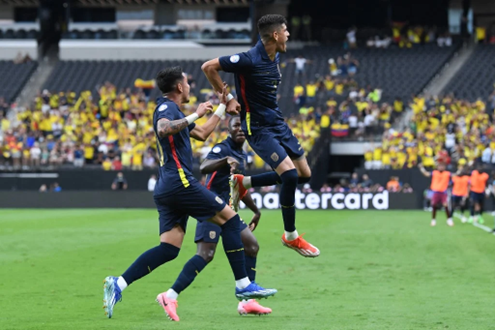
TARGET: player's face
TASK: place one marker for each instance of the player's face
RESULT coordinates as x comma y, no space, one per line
441,167
185,89
281,37
236,132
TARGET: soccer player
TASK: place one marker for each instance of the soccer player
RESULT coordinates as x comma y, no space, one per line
460,189
440,179
477,194
257,77
225,158
179,195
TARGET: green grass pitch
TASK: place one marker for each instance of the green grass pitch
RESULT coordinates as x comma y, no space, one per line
377,270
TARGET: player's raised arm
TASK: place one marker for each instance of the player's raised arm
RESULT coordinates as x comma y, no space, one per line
201,133
252,206
423,171
167,127
211,165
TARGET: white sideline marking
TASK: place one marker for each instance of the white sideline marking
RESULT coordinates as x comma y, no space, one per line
482,227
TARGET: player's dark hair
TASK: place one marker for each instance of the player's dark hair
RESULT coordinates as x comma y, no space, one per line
269,23
232,120
167,79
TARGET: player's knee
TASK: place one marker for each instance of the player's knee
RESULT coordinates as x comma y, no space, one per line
170,253
251,249
207,254
290,177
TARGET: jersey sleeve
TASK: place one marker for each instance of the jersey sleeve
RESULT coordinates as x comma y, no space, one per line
167,111
235,63
191,127
217,152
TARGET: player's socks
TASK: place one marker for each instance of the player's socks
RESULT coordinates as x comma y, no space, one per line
262,180
234,250
267,179
121,283
192,268
287,199
291,235
150,260
251,267
433,222
450,222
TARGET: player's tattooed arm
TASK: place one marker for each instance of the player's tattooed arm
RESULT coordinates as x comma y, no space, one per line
166,127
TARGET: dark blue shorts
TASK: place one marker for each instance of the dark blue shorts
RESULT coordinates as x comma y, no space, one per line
195,201
274,144
477,197
209,232
457,200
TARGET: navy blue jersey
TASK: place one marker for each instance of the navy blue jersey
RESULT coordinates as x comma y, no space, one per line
174,151
218,181
257,78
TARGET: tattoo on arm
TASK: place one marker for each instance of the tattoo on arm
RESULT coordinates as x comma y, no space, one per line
167,127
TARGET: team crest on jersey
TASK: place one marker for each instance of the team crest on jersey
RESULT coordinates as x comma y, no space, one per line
216,150
274,157
162,107
219,200
213,234
234,58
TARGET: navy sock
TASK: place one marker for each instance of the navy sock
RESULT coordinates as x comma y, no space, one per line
149,260
192,268
232,244
251,267
271,178
287,199
265,179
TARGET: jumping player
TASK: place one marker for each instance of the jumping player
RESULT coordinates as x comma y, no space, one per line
225,158
440,179
477,194
179,195
257,77
460,189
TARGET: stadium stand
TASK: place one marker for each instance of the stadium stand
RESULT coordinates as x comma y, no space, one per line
113,131
13,77
92,74
475,80
456,131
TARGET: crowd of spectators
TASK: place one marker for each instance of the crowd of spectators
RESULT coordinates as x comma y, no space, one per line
353,110
457,131
112,131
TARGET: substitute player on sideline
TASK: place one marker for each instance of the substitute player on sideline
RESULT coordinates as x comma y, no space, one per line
440,179
179,195
477,194
257,77
224,159
460,190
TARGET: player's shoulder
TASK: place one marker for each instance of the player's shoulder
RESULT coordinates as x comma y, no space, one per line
220,148
166,105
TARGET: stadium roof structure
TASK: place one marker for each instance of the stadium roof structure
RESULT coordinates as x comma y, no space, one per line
129,2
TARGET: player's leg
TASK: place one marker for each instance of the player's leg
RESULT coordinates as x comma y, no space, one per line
204,205
172,227
251,248
472,207
192,268
167,250
450,222
276,149
434,204
207,236
463,207
230,221
482,207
